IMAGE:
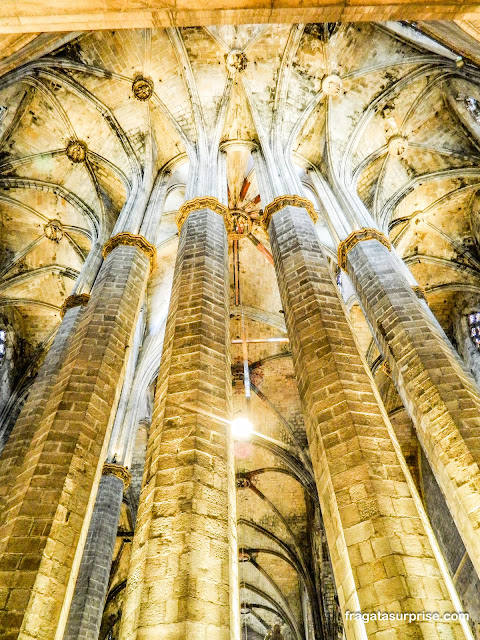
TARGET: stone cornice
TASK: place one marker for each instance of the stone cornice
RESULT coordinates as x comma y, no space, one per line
203,202
117,470
287,201
360,235
75,300
131,240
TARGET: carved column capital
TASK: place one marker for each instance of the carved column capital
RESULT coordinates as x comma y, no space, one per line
287,201
360,235
75,300
386,369
131,240
203,202
420,292
117,470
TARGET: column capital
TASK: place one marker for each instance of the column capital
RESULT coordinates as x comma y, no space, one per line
419,292
287,201
117,470
131,240
235,145
386,369
203,202
360,235
75,300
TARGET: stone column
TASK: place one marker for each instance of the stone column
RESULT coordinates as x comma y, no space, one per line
25,427
178,584
50,498
137,467
88,601
376,530
438,393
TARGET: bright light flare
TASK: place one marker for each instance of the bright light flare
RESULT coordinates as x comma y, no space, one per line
242,428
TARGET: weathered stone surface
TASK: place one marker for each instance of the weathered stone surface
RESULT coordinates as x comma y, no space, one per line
49,499
440,396
381,553
178,586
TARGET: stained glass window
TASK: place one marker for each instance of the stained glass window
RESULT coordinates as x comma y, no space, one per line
474,325
473,107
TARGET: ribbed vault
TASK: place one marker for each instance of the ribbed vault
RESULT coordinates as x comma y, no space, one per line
398,136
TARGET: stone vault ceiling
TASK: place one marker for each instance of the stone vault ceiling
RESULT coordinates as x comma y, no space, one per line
399,134
83,91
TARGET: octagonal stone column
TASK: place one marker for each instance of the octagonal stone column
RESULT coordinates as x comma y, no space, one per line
52,485
439,394
88,601
17,446
179,576
376,531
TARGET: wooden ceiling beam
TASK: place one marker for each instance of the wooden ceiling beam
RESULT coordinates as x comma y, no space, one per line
24,16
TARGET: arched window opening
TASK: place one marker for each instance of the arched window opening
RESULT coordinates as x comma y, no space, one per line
473,107
3,346
474,324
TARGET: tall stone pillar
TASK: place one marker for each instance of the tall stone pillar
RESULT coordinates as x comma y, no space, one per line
88,601
438,393
51,494
25,427
380,547
139,455
178,584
